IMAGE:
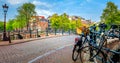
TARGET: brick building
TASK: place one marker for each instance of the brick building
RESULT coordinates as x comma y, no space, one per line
39,22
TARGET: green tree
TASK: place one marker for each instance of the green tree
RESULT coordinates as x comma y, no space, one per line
110,14
78,23
26,10
64,22
16,25
20,21
55,22
1,26
9,25
73,25
117,18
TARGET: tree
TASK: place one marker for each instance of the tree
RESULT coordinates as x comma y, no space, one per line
78,23
64,22
55,22
110,14
26,10
73,25
117,18
20,21
9,25
1,26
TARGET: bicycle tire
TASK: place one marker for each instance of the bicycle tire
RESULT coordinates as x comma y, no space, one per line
86,51
82,51
75,53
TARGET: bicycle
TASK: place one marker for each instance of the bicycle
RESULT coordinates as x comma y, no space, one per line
94,42
93,49
114,31
101,57
90,37
79,42
99,53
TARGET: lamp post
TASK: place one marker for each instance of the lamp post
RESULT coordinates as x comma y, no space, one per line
5,9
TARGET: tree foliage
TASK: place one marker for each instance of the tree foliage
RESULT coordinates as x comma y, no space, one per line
78,23
72,25
25,12
22,19
110,14
55,21
1,26
63,23
9,25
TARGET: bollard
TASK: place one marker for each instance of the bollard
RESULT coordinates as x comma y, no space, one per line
9,37
46,31
30,33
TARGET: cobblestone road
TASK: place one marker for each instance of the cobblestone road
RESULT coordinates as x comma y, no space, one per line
64,55
50,50
24,52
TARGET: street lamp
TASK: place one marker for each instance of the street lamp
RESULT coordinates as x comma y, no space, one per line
5,9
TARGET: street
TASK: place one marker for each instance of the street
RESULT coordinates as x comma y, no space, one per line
47,50
26,52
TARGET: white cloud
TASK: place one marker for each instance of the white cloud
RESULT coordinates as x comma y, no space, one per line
85,2
41,3
13,2
42,12
88,0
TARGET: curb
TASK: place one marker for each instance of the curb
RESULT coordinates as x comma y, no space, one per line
29,40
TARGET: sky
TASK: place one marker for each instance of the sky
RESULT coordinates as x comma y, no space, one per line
88,9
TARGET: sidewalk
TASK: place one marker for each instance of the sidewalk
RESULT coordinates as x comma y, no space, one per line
5,43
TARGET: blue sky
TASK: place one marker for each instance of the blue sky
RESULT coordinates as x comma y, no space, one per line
88,9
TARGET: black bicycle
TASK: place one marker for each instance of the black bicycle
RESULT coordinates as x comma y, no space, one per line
79,43
114,31
93,49
105,55
98,54
97,40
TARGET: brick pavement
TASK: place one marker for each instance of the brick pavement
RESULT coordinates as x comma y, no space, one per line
65,55
60,56
24,52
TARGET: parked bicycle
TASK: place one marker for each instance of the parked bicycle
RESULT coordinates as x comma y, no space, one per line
80,42
102,55
93,49
114,31
93,38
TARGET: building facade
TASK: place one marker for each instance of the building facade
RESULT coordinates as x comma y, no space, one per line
39,22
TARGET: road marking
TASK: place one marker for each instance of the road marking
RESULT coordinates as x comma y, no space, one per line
39,57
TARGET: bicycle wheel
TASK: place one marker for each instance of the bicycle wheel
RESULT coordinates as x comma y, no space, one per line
100,57
75,52
89,54
84,54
